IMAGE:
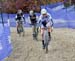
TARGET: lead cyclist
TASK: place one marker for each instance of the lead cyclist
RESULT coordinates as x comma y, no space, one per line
45,20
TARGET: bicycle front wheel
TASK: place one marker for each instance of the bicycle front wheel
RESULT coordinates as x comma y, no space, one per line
46,40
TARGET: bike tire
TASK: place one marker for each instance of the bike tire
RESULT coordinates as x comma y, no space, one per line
35,32
46,40
20,29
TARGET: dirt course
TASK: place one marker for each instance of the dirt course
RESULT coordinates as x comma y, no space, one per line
61,48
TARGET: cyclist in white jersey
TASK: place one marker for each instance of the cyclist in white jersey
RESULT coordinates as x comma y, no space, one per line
46,21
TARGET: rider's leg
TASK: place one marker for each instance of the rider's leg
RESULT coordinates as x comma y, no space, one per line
49,33
33,29
36,30
42,32
17,26
23,29
49,30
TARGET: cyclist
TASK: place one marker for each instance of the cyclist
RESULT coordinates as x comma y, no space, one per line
33,21
46,21
19,18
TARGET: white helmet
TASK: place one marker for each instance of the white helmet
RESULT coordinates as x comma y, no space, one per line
31,12
43,11
19,11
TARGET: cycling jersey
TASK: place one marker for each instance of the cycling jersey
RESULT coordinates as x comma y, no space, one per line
33,19
46,20
20,17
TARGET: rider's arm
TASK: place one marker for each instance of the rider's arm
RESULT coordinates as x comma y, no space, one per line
29,20
16,20
37,18
52,23
24,19
40,18
16,17
51,20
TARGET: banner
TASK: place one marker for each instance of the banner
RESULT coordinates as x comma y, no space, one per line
5,41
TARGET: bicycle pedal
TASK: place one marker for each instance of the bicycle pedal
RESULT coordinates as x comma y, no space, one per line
43,46
34,38
23,35
46,51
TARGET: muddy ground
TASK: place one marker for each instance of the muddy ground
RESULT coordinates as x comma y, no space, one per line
61,47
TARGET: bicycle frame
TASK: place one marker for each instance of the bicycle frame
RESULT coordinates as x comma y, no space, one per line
20,28
46,39
35,31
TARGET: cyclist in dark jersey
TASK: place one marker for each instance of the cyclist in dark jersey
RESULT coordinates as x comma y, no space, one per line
19,18
33,21
32,17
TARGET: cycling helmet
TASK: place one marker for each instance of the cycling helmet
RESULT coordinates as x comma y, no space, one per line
31,12
19,11
43,11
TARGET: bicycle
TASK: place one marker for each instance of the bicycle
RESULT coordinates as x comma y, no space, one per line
35,31
20,28
46,39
